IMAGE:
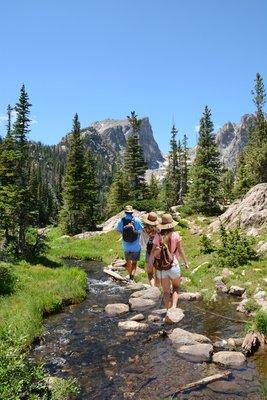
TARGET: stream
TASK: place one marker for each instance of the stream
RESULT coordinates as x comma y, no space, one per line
83,342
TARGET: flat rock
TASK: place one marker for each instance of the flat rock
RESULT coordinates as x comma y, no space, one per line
190,296
135,286
152,293
133,326
235,342
116,309
174,315
137,317
180,337
236,290
119,262
160,311
229,387
196,352
229,358
140,304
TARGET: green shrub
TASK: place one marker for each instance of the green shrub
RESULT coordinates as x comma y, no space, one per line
7,279
206,245
19,379
63,389
236,249
251,306
146,205
264,389
260,322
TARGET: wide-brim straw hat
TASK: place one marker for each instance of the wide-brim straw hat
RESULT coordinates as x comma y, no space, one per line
151,219
128,209
167,222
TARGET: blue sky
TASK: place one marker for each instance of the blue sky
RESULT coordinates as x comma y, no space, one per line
103,58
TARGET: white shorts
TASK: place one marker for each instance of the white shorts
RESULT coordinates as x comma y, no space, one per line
173,273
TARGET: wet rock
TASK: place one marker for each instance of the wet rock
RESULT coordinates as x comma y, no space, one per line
152,293
241,306
220,286
190,296
137,317
174,315
229,387
220,344
133,326
153,318
236,290
161,311
140,304
196,352
116,309
135,286
229,358
180,337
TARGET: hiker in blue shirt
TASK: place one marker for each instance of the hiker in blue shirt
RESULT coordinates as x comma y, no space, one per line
130,227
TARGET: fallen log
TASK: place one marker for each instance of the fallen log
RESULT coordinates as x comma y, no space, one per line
204,381
115,275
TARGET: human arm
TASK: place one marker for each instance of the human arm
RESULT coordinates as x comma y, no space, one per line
180,252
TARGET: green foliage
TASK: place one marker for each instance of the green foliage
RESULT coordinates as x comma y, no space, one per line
264,389
80,193
118,193
153,188
203,195
147,205
260,322
251,305
236,249
7,279
206,245
63,389
226,186
19,379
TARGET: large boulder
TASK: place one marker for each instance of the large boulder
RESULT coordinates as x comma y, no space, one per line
199,352
229,358
190,296
248,212
140,304
111,223
174,315
116,309
236,290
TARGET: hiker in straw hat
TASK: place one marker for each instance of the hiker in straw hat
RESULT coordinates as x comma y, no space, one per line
130,227
166,250
150,222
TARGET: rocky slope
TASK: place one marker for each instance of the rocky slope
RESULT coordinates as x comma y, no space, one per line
108,138
250,211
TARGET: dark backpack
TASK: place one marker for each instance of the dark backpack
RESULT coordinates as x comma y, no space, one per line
165,260
129,233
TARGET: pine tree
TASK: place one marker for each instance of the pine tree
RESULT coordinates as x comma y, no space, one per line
134,164
252,165
203,195
184,171
118,194
79,194
172,182
153,188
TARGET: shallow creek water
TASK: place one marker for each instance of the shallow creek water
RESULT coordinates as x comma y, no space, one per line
84,342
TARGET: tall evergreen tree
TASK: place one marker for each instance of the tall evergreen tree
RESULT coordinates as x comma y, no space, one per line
134,163
79,194
252,166
153,188
203,195
118,193
184,171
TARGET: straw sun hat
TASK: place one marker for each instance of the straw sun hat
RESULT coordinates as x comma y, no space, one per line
167,222
128,209
151,219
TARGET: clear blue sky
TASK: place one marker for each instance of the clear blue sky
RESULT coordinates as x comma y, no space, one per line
104,58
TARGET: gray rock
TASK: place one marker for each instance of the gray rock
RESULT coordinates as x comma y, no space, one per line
116,309
153,318
174,315
220,286
241,306
199,352
235,342
137,317
225,387
190,296
236,290
133,326
140,304
152,293
119,263
161,311
220,344
262,249
249,212
135,286
229,358
181,337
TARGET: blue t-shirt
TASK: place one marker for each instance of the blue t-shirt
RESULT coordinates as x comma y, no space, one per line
134,246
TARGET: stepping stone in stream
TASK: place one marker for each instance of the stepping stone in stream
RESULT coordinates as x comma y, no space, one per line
174,315
116,309
152,293
180,337
229,358
199,352
140,304
137,317
133,326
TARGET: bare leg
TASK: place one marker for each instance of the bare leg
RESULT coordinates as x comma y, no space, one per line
166,286
175,286
134,265
129,267
149,269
